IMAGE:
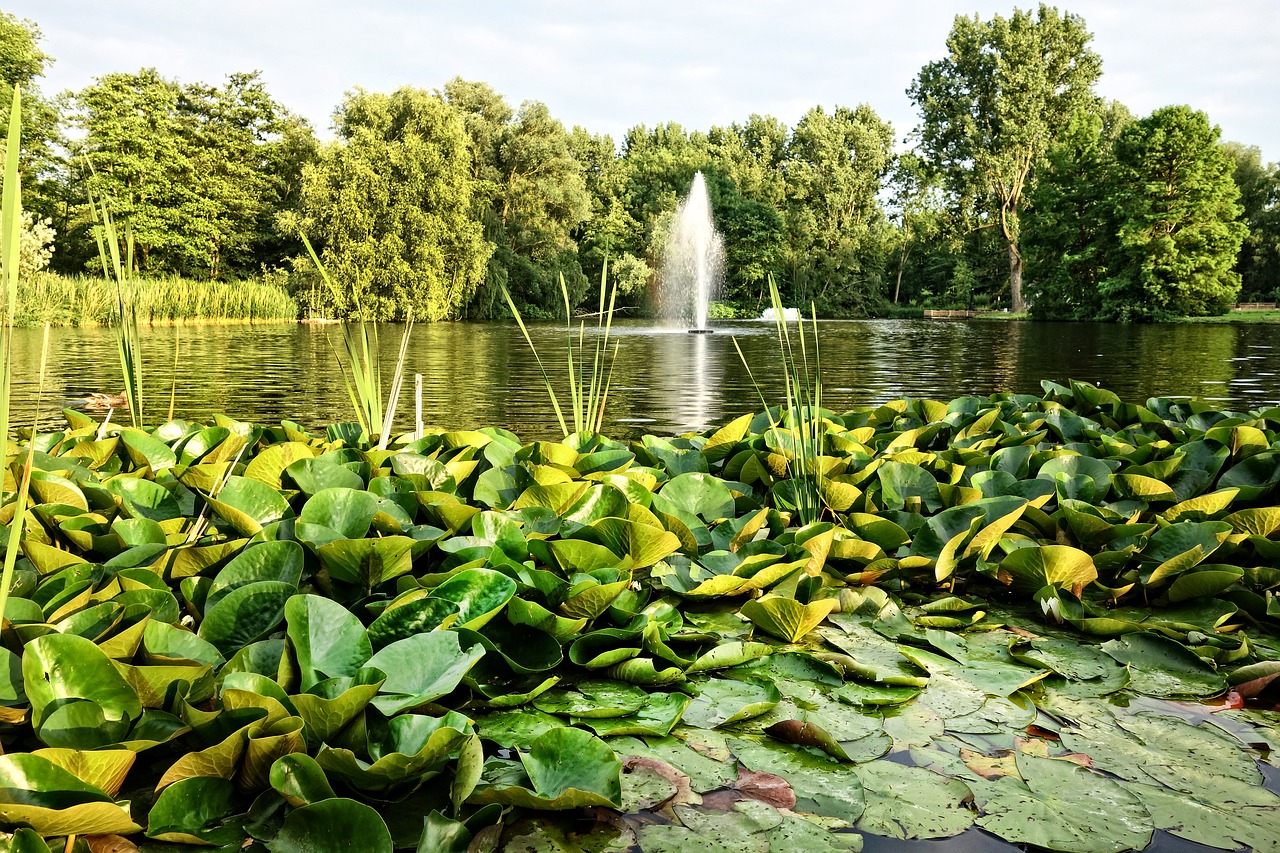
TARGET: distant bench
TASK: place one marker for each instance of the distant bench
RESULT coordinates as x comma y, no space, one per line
1255,306
938,314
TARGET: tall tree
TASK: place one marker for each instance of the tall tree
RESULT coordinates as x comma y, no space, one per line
390,200
836,164
532,198
992,107
22,64
1070,232
199,172
1178,220
1259,262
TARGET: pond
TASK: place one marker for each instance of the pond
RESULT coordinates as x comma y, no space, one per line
664,382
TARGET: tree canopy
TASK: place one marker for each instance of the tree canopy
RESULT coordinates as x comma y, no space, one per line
992,107
435,200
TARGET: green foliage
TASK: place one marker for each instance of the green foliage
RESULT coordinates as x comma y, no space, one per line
992,108
1178,230
391,204
1259,261
416,641
199,172
83,300
1070,232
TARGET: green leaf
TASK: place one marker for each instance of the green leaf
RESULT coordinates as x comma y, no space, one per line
366,563
421,669
416,616
300,780
327,639
332,825
1059,566
565,769
721,702
78,698
1059,805
700,495
787,618
187,812
593,699
37,793
912,802
822,785
479,593
1161,667
245,614
249,505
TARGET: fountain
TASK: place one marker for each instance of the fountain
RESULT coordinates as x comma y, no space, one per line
692,262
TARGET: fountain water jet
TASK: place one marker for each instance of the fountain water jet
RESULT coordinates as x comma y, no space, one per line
692,262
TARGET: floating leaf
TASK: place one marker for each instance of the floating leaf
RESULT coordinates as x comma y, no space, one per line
787,618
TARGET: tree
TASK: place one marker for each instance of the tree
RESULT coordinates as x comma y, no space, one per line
1070,232
22,63
391,203
1259,185
835,166
610,233
133,145
199,172
991,109
1177,220
532,198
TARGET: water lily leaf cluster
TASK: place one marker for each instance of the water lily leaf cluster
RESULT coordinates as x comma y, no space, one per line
1008,613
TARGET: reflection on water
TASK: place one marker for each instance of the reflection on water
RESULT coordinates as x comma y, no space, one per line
663,381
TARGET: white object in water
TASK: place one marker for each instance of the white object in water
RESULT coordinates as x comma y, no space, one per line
789,315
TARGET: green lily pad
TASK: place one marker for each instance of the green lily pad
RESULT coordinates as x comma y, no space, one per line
721,702
78,698
1161,667
564,769
249,505
421,669
787,618
593,700
37,793
245,614
327,639
333,824
479,593
187,812
1062,806
822,785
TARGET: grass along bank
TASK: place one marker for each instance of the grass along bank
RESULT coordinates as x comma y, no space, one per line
89,301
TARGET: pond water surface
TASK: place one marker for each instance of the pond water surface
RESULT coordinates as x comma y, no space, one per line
664,382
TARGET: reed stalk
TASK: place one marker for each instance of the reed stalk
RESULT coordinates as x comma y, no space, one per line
362,369
588,393
128,340
800,419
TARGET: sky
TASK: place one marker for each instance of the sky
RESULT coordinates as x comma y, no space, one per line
609,66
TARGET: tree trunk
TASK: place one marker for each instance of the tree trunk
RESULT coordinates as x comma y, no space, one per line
1015,279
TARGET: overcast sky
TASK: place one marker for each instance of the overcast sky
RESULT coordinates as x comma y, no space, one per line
610,65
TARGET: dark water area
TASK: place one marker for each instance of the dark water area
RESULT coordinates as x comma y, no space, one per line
664,381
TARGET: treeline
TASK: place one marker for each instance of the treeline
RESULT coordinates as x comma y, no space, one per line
1023,189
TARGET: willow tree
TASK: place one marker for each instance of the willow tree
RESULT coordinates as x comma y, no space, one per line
390,200
991,109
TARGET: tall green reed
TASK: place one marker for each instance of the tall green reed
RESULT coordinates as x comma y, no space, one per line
10,253
362,370
799,426
10,259
588,393
128,339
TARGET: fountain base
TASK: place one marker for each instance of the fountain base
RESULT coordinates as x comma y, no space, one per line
702,331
